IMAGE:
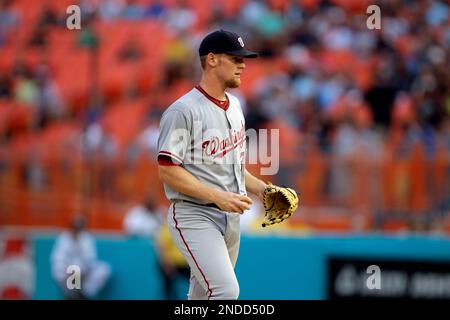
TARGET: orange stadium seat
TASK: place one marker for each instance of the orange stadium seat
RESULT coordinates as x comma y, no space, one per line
362,70
5,115
310,181
323,220
309,5
147,77
253,72
7,58
15,117
394,225
336,60
203,10
60,39
60,6
32,56
440,185
29,14
405,44
418,172
59,133
396,184
22,117
102,214
231,7
333,222
353,6
278,5
124,120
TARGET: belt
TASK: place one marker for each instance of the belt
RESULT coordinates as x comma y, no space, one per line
211,205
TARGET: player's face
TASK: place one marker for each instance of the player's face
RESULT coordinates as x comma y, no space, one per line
230,70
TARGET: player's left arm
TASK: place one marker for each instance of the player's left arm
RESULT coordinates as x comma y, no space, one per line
254,185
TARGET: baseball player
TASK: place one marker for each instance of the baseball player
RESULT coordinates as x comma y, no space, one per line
201,154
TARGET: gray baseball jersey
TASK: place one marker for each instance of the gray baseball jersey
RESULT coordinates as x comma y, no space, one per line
207,138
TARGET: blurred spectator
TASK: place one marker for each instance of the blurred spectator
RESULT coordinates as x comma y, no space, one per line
143,220
76,247
47,19
134,10
331,88
35,175
8,16
352,143
90,9
275,97
178,59
147,141
437,13
88,38
156,9
254,117
270,24
253,11
111,9
50,106
5,86
180,17
20,68
287,146
9,21
131,51
97,141
26,90
354,140
173,266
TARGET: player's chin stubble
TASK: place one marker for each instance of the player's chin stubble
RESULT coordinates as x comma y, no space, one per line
233,83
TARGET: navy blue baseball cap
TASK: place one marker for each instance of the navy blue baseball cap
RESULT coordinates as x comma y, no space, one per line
222,41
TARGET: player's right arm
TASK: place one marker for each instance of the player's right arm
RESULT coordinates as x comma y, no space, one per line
184,182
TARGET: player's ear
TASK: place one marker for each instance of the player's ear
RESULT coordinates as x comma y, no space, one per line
212,59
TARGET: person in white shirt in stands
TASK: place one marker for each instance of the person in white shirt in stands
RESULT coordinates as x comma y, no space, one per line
143,220
77,248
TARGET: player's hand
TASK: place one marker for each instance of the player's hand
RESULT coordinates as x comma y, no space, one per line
232,202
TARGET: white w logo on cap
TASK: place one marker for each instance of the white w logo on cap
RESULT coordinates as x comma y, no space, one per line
241,42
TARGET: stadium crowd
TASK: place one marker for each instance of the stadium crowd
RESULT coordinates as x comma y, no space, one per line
324,79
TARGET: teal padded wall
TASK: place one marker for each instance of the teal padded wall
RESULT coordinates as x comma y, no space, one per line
299,263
